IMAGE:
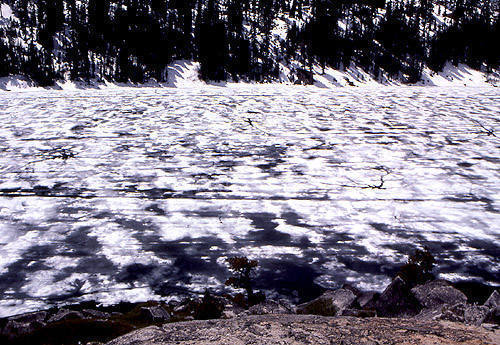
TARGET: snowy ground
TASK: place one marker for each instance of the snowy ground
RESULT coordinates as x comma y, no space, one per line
130,194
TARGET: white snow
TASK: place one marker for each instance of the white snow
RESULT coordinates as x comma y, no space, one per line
6,11
336,178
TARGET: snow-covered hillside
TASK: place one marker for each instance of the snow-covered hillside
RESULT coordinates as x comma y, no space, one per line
295,41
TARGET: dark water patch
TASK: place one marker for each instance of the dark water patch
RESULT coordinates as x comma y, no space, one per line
207,213
476,291
158,193
132,224
400,232
304,243
488,248
292,218
188,255
476,269
46,191
135,273
333,244
444,250
156,209
379,267
470,176
103,215
160,154
440,247
488,159
489,204
80,244
267,235
227,164
17,272
98,264
273,151
333,238
73,210
78,129
269,166
290,277
402,248
262,220
140,178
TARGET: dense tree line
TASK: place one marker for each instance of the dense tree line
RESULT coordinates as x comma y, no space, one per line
134,40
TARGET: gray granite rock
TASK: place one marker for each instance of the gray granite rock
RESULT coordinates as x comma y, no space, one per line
64,314
309,329
397,301
331,303
271,307
437,293
155,314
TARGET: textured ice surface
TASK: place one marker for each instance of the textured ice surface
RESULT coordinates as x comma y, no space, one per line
130,194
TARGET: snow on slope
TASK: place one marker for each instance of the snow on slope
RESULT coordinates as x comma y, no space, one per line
184,74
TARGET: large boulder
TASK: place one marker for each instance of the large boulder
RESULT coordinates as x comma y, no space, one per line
366,300
493,304
494,300
20,325
397,300
437,293
331,303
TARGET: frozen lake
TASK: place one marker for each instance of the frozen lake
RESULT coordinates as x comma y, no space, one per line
131,194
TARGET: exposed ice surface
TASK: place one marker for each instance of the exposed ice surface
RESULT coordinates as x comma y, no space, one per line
131,194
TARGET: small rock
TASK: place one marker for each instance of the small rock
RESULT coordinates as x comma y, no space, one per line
155,314
470,314
331,303
95,314
430,314
64,315
359,313
270,307
475,314
228,314
437,293
453,313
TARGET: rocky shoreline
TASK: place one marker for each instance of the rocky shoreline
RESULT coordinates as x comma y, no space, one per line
310,329
427,305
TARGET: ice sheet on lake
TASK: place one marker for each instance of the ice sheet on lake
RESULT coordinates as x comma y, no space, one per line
130,194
